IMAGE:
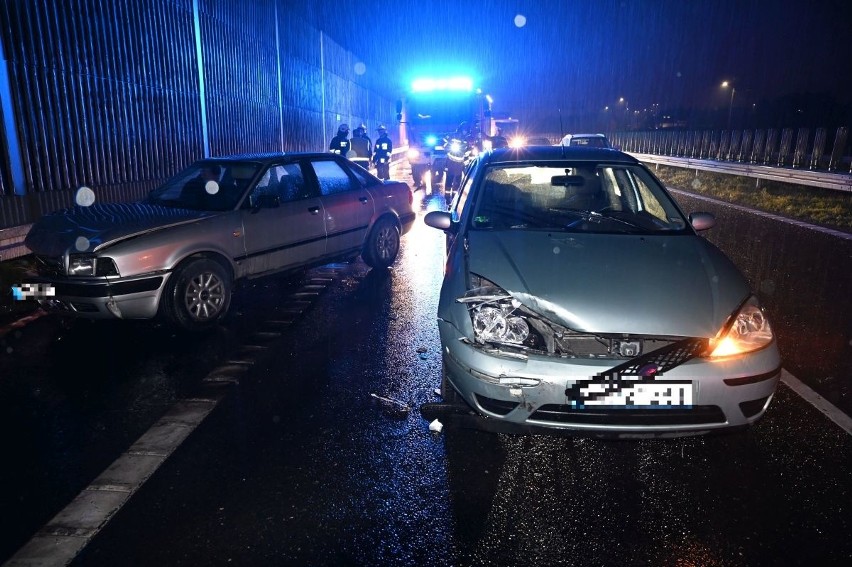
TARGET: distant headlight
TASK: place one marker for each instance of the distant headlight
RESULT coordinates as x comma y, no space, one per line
88,265
455,146
517,142
413,153
749,331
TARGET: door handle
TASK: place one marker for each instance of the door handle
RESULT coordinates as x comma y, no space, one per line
313,210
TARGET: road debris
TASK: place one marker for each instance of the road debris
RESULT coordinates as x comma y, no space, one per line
400,405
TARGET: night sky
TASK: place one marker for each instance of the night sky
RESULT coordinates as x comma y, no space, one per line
582,55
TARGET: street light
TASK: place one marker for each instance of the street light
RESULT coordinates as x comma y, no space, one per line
725,85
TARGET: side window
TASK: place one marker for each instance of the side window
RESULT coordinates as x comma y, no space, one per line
649,201
332,178
279,183
291,182
363,178
463,194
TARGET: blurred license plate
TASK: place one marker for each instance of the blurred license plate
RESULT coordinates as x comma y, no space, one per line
32,290
624,393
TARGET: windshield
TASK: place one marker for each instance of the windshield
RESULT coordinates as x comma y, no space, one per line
206,186
575,197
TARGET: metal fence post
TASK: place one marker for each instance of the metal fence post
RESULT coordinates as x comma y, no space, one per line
771,143
745,146
735,146
801,147
784,149
757,151
819,148
838,149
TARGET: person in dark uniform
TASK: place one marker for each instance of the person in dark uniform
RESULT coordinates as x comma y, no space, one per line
382,155
340,143
362,147
499,140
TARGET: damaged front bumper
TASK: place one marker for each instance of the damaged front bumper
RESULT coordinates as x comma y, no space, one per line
101,298
537,392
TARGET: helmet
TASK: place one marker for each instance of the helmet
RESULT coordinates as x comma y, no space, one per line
381,128
343,128
362,126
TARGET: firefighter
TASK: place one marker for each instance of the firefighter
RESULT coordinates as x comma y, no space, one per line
340,142
362,147
382,153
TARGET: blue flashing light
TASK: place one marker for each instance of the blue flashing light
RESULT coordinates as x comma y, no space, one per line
445,84
431,140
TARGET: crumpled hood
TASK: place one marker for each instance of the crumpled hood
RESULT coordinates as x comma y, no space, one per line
614,283
82,229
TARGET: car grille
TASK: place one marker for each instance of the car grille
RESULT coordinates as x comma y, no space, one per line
565,414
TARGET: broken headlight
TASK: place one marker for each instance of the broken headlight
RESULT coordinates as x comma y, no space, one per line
493,314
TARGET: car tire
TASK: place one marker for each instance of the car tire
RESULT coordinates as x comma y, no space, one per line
198,295
382,244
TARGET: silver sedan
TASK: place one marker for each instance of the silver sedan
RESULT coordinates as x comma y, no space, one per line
579,297
178,253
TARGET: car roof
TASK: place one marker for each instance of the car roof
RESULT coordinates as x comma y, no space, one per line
585,136
557,153
266,157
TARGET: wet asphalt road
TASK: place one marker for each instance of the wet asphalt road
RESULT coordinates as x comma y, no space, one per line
300,465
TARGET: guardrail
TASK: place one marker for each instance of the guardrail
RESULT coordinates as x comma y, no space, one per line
824,179
774,147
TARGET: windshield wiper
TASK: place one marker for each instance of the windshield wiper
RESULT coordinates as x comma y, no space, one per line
597,217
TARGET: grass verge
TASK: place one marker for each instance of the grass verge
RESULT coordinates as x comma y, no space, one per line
823,207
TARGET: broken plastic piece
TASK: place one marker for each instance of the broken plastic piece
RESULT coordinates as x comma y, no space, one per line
436,426
402,405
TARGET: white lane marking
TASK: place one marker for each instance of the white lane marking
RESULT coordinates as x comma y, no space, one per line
820,403
62,538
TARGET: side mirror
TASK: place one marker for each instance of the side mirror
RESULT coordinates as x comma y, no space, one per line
702,221
441,220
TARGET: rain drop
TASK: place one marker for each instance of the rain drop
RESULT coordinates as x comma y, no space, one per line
520,20
360,68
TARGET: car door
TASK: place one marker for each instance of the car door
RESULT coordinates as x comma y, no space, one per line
283,220
347,205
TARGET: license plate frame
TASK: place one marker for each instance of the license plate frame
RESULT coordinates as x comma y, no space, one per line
636,393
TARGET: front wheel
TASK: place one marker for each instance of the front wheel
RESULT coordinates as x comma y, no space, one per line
382,244
198,295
